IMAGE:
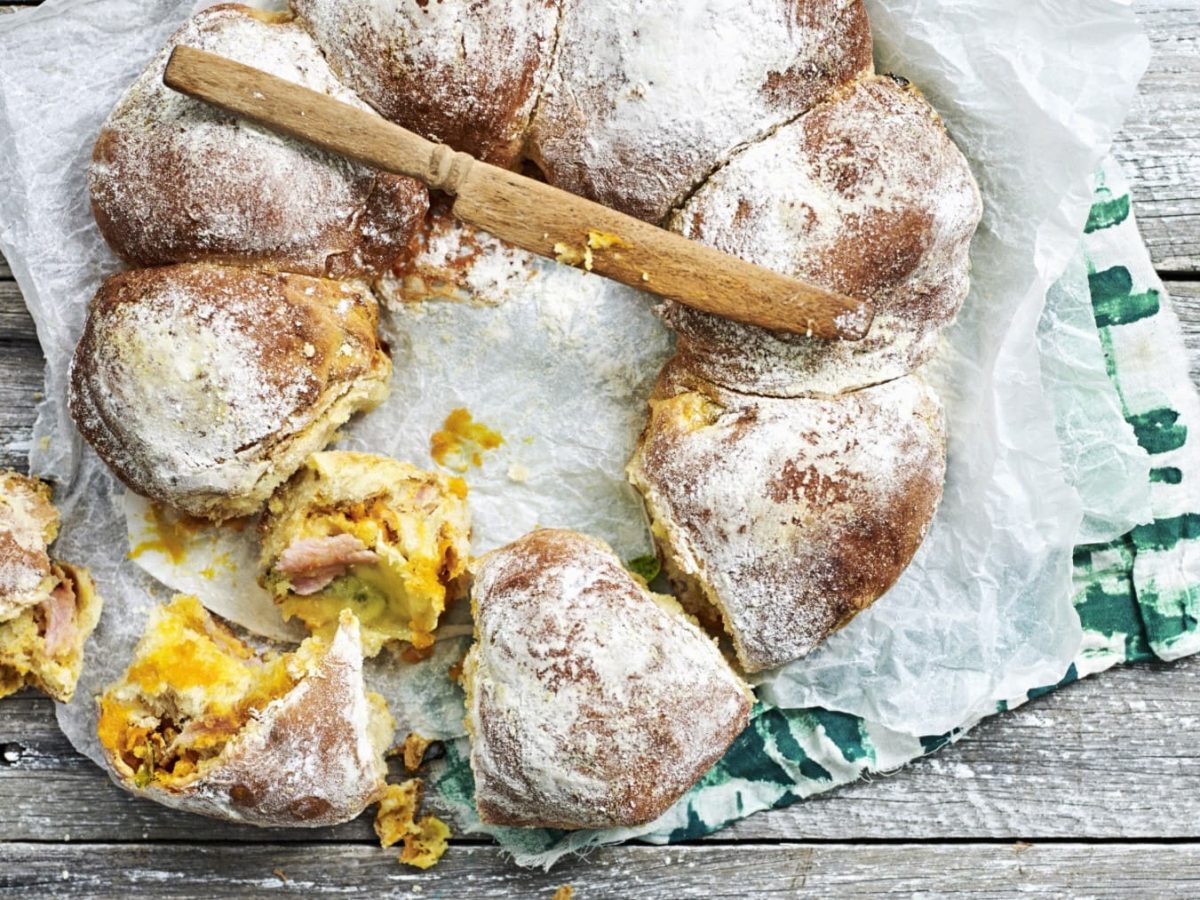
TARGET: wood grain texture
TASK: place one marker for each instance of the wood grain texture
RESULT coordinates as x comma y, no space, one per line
1160,144
634,873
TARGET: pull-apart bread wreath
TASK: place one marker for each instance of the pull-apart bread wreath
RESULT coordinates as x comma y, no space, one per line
48,608
789,481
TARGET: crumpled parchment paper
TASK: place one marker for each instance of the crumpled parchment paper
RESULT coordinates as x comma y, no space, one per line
1031,93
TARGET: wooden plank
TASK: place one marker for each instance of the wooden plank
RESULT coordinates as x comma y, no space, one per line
1185,296
20,389
15,322
1113,757
1158,146
634,872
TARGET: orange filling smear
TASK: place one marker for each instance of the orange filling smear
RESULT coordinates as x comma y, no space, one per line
170,534
185,652
462,441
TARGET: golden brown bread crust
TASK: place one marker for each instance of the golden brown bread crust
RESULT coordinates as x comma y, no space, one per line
865,194
590,702
204,387
789,516
463,72
645,99
174,180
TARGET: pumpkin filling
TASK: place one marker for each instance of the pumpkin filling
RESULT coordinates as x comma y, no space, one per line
191,688
392,557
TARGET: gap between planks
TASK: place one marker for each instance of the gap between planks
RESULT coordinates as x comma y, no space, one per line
634,872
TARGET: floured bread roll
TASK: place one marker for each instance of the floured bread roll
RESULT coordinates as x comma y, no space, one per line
202,723
176,180
461,72
787,517
370,534
452,260
647,97
591,703
865,194
47,608
205,387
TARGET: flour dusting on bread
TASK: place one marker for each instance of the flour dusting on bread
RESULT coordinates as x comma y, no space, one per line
175,180
589,704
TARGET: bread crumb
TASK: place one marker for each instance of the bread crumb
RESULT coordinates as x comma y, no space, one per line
518,473
309,351
565,892
605,240
424,839
424,847
278,873
570,255
414,751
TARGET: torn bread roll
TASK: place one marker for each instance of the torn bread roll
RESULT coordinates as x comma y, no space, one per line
175,180
48,608
781,519
591,702
203,723
647,97
460,72
370,534
865,194
205,387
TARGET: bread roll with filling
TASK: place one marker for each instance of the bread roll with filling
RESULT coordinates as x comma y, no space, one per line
48,609
176,180
370,534
205,387
866,194
203,723
647,97
460,72
591,703
782,519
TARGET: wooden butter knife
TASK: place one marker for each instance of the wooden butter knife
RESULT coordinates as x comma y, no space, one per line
523,211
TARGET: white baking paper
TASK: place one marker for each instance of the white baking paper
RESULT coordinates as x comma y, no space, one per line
1031,92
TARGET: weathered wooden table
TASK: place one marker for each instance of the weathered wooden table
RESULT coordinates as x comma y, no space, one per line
1094,789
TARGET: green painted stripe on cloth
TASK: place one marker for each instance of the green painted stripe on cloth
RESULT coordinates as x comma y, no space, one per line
1114,301
1114,612
1166,475
1164,534
1107,213
1158,430
1169,616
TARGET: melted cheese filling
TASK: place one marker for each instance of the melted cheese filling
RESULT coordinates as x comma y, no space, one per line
192,686
400,597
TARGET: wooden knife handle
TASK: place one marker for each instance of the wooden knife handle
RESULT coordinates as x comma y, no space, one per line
526,212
